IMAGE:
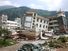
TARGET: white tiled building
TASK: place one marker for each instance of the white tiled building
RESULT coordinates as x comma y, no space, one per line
18,20
3,20
11,24
33,21
5,23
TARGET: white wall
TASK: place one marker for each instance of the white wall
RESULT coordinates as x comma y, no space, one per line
28,22
11,24
38,28
18,20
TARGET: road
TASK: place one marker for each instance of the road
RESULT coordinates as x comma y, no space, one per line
33,42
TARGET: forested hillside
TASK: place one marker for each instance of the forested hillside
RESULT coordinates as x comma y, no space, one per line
14,12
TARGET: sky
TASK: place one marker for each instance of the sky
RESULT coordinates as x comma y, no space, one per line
38,4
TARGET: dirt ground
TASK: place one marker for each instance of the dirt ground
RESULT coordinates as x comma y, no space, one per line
11,48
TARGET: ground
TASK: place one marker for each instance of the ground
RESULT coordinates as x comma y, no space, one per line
62,49
17,46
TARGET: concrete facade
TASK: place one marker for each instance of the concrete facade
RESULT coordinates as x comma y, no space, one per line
35,22
18,20
59,23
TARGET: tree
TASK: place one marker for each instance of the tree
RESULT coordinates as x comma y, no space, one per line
4,33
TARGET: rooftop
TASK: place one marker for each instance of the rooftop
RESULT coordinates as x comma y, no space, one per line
40,17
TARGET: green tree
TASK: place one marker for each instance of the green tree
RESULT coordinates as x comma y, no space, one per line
4,33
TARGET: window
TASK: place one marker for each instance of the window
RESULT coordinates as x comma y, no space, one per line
33,23
46,26
41,20
55,23
33,20
32,26
34,14
54,18
50,23
43,26
50,19
47,22
37,19
44,21
40,25
34,17
37,25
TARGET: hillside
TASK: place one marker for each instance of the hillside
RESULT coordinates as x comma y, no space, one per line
20,11
6,7
14,12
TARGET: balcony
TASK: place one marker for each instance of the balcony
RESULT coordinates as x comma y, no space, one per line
53,25
53,21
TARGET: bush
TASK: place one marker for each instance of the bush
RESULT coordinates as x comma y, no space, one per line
63,39
55,44
6,42
51,44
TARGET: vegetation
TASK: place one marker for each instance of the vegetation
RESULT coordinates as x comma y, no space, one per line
6,7
7,42
63,39
14,12
61,42
5,39
20,11
4,33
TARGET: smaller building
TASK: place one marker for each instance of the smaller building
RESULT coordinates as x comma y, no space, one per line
11,24
3,20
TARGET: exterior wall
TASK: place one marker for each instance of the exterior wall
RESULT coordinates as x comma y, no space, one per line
63,24
11,24
18,20
4,20
41,25
5,23
59,23
28,22
0,20
53,24
32,21
22,21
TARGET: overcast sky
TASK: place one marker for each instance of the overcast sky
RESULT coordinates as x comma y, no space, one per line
38,4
